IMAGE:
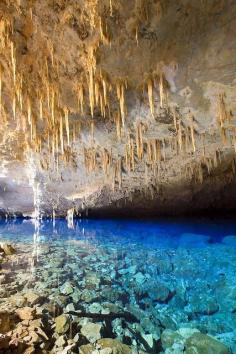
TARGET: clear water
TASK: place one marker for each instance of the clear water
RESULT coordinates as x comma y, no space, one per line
168,274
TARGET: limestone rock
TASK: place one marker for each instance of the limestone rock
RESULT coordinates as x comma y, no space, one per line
66,288
4,342
7,249
169,337
6,322
62,324
91,331
200,343
116,346
26,313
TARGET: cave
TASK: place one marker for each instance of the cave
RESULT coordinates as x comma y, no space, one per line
117,176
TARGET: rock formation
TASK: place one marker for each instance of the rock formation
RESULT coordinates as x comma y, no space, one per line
115,106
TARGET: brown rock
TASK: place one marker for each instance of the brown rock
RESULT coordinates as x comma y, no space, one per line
7,249
116,346
4,341
5,322
26,313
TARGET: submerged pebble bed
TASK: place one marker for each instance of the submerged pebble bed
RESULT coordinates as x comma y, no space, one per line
87,293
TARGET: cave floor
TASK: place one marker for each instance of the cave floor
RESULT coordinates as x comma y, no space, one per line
164,286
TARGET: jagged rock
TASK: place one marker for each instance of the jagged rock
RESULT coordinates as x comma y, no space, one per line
200,343
159,293
6,322
116,346
67,288
92,280
86,349
62,324
4,341
7,249
203,305
91,331
33,298
26,313
169,337
17,300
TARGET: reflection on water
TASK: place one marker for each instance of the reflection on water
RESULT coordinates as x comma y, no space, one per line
139,281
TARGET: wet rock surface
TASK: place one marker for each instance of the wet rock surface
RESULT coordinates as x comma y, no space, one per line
81,297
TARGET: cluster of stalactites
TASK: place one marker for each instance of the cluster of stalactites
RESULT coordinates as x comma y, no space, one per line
151,82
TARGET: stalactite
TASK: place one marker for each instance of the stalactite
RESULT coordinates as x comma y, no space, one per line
80,97
118,125
111,8
91,72
120,90
192,133
150,95
61,134
224,135
41,108
139,140
162,91
0,89
14,107
180,137
234,140
174,118
13,61
66,116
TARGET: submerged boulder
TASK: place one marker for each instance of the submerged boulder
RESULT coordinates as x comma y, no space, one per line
200,343
62,324
7,249
91,331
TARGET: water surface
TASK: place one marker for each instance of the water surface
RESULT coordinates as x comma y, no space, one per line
169,274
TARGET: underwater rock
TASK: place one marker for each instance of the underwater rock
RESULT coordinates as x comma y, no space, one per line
160,293
7,249
33,298
116,346
203,305
169,337
92,280
4,341
6,322
26,313
200,343
62,324
66,288
91,331
17,300
86,349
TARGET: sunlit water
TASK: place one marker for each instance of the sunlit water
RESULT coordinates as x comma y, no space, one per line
168,274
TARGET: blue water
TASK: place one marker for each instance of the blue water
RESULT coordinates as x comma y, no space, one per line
168,273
